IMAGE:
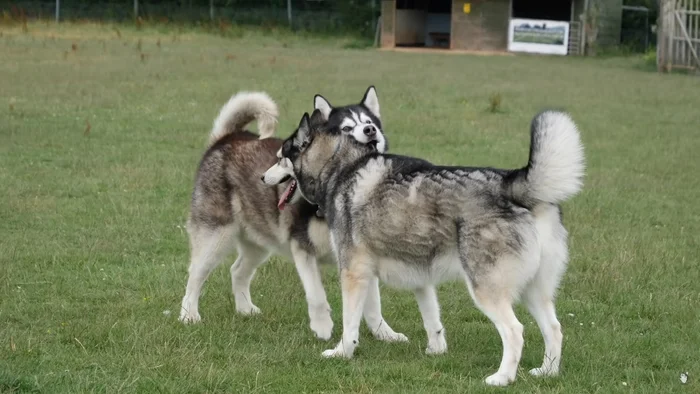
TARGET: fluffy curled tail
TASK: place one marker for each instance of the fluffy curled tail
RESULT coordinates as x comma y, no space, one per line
243,108
556,167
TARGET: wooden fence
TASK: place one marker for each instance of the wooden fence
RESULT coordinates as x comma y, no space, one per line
678,44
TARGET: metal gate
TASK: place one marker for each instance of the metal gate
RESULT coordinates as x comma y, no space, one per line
679,35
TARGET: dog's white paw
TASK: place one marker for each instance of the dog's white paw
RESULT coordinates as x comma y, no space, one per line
189,318
392,337
337,352
321,322
341,351
248,310
436,348
437,343
322,328
541,371
498,379
386,334
399,337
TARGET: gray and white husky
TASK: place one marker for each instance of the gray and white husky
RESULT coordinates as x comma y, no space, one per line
231,209
414,225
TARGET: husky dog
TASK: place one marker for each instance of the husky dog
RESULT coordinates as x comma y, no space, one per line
414,225
231,209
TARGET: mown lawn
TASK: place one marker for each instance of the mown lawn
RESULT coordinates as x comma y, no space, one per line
101,129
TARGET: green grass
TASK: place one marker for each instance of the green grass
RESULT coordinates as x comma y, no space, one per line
93,250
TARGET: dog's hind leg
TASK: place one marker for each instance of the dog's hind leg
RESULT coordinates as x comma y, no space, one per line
250,257
430,311
355,275
542,309
373,315
540,293
208,248
497,305
310,275
492,280
496,270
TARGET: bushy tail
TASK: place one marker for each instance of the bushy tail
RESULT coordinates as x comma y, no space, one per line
243,108
555,170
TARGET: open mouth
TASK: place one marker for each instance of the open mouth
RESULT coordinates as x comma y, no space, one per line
373,144
287,194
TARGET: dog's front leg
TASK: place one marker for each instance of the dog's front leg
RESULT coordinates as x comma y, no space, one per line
319,309
354,280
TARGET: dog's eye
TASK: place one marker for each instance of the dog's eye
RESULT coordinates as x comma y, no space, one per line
347,129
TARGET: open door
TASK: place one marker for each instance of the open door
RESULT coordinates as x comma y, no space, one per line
423,23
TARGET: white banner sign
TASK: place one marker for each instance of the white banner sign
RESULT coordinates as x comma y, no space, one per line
538,36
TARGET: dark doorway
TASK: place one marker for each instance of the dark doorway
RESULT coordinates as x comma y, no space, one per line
553,10
423,23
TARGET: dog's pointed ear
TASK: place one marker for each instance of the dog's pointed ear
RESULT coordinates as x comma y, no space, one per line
303,134
321,104
371,101
317,118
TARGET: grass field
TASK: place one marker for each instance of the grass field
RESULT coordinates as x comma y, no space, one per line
100,134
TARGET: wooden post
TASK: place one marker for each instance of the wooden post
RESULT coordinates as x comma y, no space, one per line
571,13
211,10
584,30
646,33
660,45
289,12
136,9
58,10
664,40
378,33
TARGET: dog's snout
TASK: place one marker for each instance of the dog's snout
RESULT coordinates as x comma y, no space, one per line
370,130
262,178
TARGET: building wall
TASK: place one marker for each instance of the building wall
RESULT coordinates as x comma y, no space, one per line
484,28
388,23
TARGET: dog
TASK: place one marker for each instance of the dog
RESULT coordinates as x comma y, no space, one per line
231,209
414,225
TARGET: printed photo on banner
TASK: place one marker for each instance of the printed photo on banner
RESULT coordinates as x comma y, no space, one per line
538,36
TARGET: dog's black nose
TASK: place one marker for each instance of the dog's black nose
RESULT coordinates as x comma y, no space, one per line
262,178
370,130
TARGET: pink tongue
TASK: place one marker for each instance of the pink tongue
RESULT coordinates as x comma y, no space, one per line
283,199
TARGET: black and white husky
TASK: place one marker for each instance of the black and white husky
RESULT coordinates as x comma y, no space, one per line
231,209
414,225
